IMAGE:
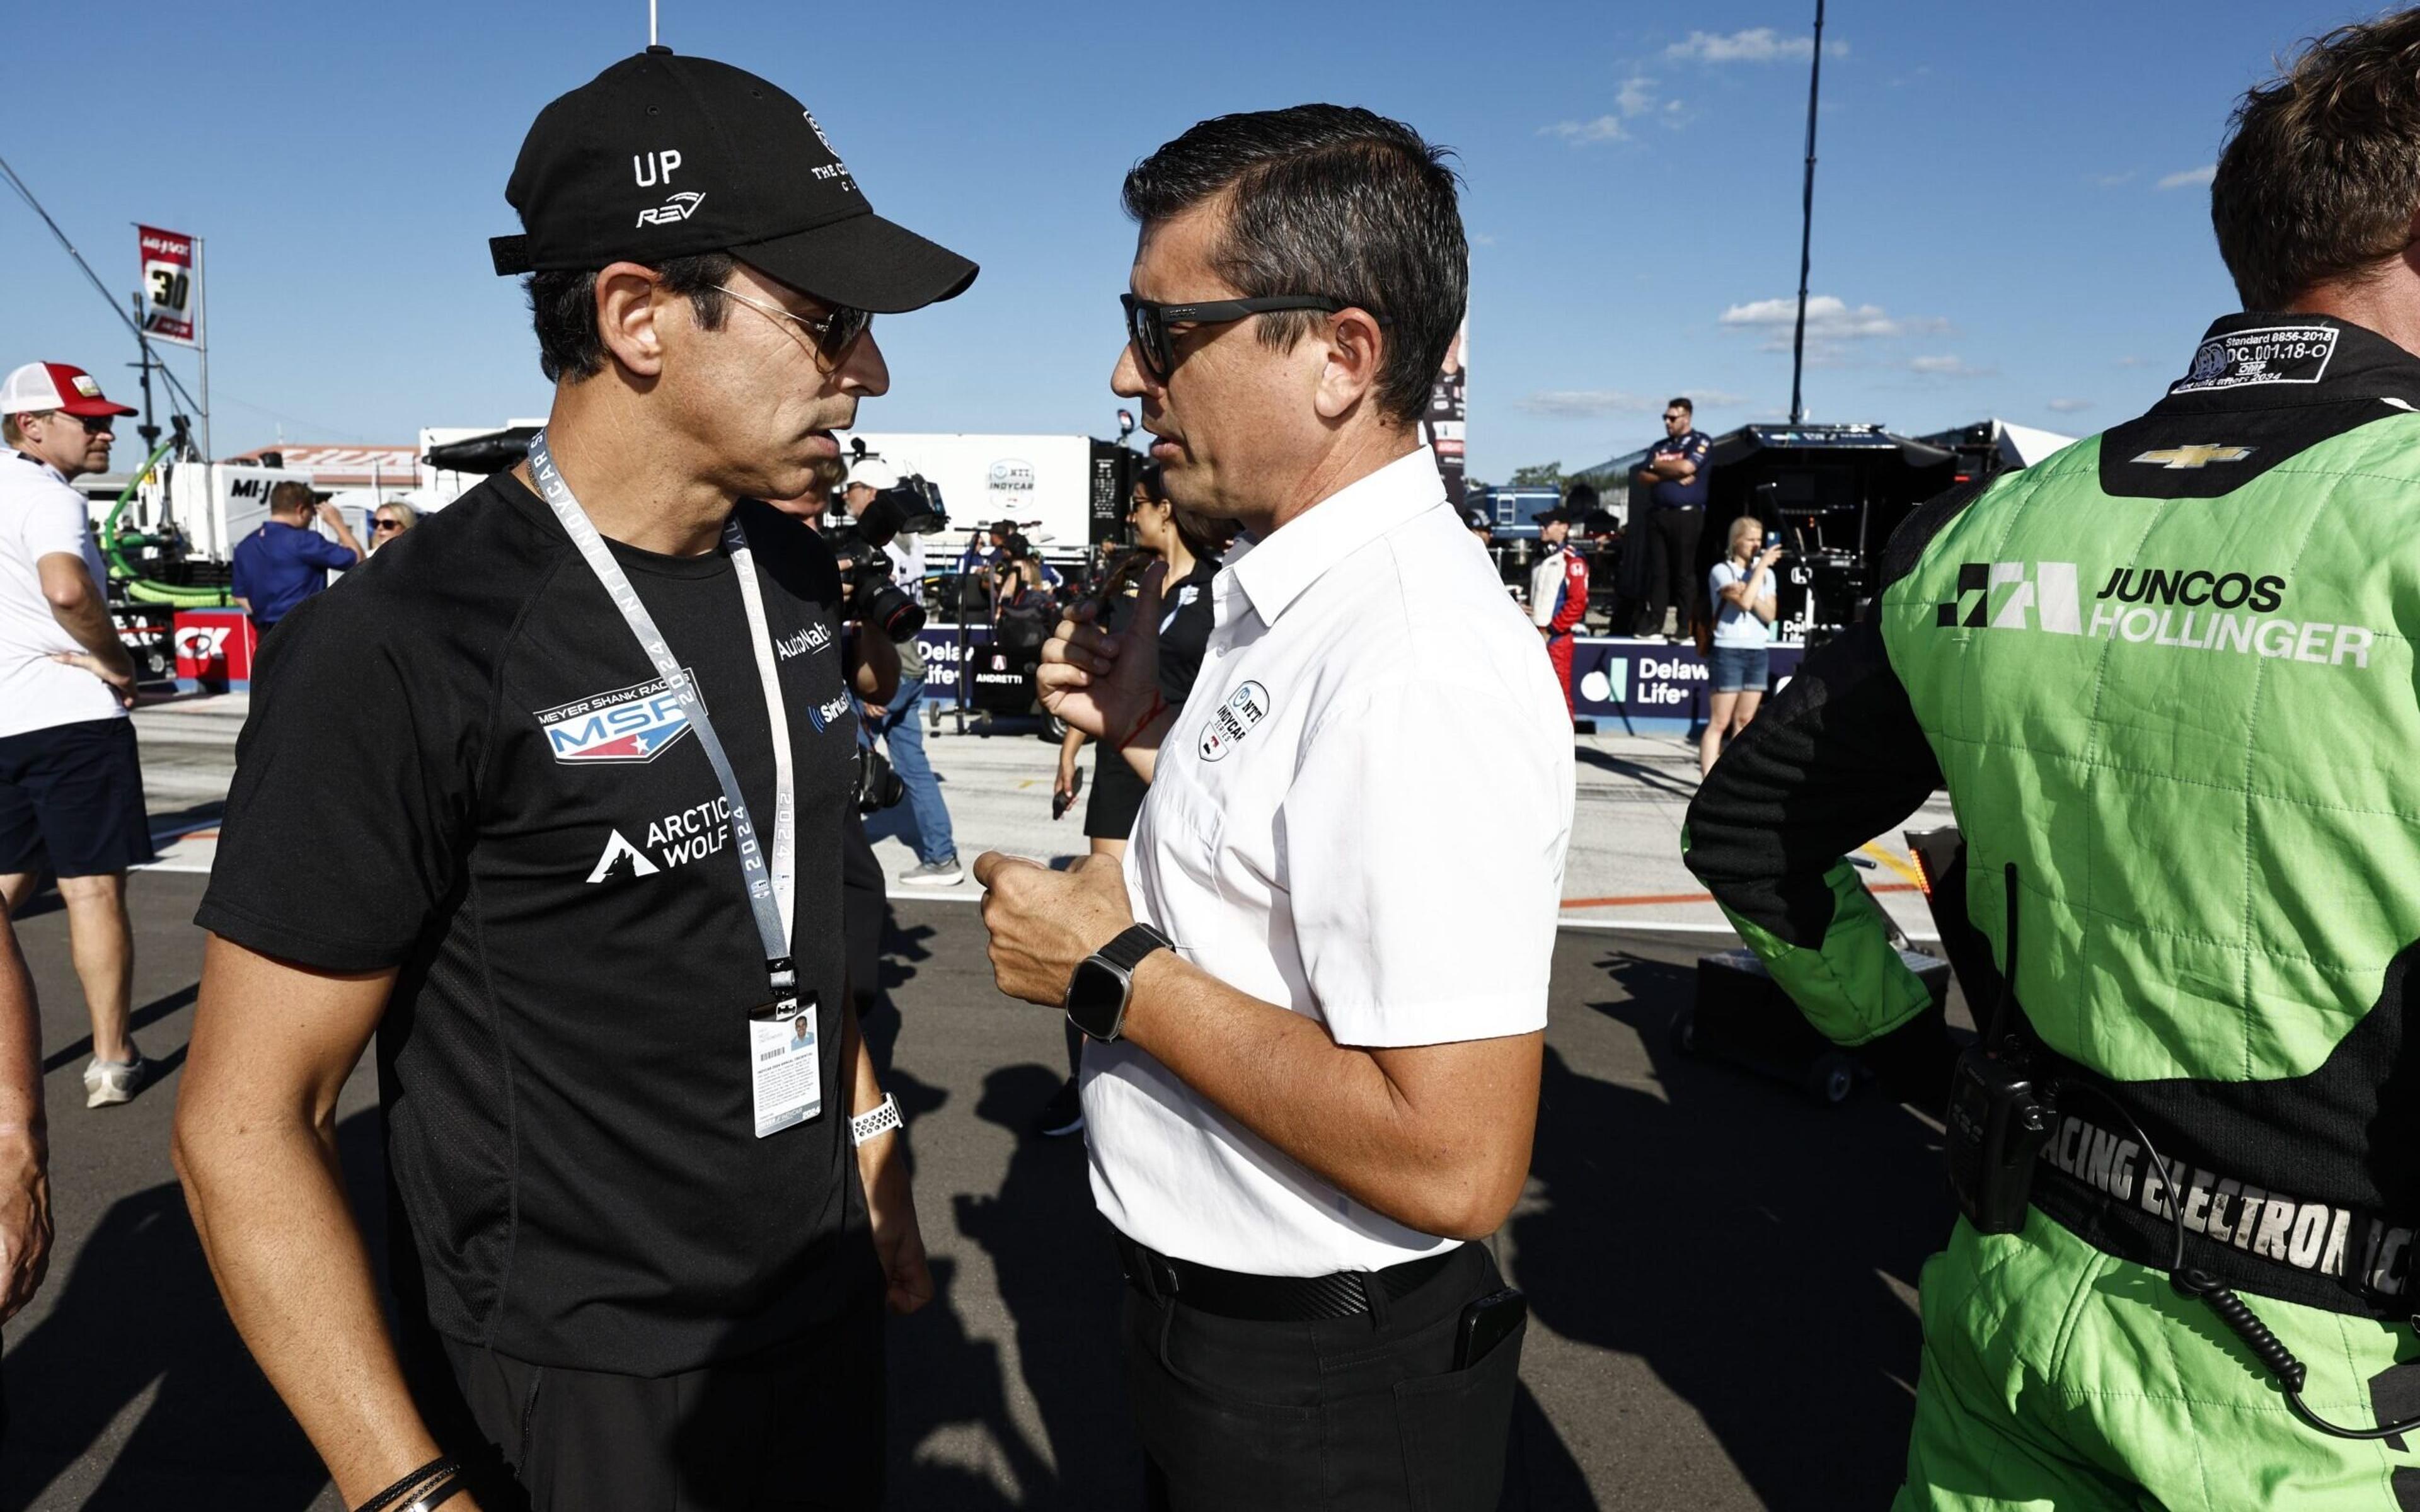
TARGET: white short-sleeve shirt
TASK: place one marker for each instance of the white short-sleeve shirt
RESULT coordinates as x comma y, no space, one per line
41,516
1360,815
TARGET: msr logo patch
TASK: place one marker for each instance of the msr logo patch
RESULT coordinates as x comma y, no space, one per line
1233,720
2003,596
637,723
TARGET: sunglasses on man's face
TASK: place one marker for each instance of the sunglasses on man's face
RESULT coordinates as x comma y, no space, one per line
830,337
1155,344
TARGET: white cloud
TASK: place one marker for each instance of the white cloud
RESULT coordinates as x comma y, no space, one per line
2111,180
1758,44
1636,97
1590,404
1581,133
1948,366
1830,319
2202,174
2067,407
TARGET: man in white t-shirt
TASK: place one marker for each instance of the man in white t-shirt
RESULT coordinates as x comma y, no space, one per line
1315,996
71,784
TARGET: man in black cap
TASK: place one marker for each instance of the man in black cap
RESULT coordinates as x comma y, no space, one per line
650,1218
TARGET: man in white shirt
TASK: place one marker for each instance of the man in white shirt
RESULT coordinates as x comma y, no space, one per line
71,783
1302,1115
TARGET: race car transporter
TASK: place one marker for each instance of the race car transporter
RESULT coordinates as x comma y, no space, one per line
2168,677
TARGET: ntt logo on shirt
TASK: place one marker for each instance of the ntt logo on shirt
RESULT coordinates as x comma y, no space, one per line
2188,608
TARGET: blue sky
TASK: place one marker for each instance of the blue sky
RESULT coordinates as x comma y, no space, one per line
2009,219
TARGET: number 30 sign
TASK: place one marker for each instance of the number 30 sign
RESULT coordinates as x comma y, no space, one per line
168,287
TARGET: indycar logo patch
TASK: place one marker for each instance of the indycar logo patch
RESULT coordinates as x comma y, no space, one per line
1233,720
637,723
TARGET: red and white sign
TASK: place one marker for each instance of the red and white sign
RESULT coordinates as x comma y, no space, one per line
171,288
214,648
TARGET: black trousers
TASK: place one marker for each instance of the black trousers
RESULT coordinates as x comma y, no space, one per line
1351,1414
795,1428
1672,567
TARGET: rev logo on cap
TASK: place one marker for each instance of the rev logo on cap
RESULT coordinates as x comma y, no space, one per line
663,155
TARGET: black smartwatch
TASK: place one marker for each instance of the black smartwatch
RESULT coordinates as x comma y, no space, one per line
1104,981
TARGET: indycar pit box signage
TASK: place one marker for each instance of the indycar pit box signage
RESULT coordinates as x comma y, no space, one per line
171,288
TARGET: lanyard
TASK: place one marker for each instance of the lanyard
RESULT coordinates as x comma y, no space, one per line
771,891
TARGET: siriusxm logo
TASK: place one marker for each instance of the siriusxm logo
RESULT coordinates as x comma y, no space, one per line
2006,595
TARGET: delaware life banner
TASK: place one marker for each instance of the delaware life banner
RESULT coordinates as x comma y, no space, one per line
1443,423
170,288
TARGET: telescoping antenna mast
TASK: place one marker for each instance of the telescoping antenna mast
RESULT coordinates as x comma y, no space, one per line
1805,226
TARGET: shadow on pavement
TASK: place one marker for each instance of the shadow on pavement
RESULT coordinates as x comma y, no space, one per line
1735,1237
149,1014
1059,1284
140,1315
1655,778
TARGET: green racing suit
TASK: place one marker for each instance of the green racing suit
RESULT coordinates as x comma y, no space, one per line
2168,675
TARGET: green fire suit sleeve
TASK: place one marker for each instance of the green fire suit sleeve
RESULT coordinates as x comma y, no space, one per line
1835,759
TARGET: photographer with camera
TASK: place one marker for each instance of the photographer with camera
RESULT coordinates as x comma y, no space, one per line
877,503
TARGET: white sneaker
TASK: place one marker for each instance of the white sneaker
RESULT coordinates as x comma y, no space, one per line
944,874
110,1082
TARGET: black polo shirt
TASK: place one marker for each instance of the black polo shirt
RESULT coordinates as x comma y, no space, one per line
461,764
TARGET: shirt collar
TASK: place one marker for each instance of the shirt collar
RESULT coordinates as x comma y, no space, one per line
28,458
1272,573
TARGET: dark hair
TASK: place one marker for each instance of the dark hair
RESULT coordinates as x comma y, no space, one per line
285,497
1581,499
1682,403
2322,170
1331,200
563,307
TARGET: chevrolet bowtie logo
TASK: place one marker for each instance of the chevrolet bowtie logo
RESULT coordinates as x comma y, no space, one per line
2195,456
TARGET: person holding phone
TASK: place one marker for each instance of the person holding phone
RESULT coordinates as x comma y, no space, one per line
1740,589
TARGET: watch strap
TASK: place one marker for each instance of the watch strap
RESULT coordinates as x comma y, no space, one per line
881,1120
1126,951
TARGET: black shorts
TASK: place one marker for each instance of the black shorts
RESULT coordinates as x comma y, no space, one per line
1116,802
795,1428
71,796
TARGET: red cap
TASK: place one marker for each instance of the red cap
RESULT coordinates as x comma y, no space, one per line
38,386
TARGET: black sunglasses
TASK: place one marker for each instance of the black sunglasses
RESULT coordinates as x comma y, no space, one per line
1147,322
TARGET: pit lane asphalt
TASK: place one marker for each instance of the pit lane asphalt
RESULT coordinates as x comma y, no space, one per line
1721,1274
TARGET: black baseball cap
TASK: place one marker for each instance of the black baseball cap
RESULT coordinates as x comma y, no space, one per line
663,155
1555,517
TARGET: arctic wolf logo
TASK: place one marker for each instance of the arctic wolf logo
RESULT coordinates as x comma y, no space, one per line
629,724
679,208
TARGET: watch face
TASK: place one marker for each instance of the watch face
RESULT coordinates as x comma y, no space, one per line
1096,996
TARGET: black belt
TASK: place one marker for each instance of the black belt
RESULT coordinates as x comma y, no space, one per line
1270,1299
2270,1244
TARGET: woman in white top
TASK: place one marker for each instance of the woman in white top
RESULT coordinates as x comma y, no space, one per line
1740,589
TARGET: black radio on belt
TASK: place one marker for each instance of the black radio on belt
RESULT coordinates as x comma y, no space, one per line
1999,1116
1999,1119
